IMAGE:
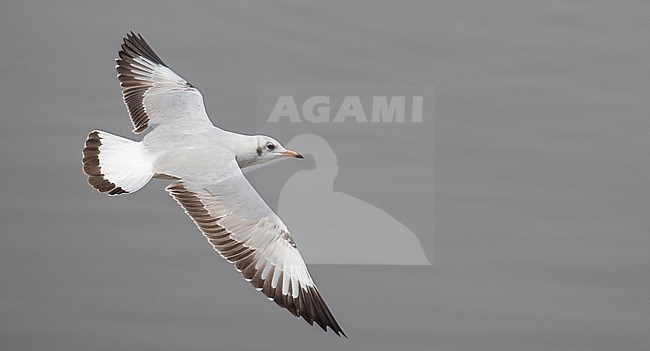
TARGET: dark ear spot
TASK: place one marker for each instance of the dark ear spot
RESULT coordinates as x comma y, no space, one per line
259,151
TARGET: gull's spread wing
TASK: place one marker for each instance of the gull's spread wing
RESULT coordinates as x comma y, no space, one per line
246,232
153,93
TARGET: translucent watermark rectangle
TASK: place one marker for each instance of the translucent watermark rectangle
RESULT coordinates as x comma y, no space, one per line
365,192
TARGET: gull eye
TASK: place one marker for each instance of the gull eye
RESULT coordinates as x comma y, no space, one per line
270,146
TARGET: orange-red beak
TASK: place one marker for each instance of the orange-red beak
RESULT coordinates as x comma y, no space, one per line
292,154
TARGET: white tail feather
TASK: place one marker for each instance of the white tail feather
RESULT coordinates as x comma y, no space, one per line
114,164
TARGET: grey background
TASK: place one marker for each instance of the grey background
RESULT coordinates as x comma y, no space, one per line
541,176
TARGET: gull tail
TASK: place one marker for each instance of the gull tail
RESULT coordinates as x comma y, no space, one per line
114,164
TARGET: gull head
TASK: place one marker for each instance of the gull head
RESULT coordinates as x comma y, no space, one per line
259,149
268,149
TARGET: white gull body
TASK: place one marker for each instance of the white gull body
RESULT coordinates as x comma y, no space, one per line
182,144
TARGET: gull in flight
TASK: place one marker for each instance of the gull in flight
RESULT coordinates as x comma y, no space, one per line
205,163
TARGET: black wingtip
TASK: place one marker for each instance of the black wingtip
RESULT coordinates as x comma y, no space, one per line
340,332
135,45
